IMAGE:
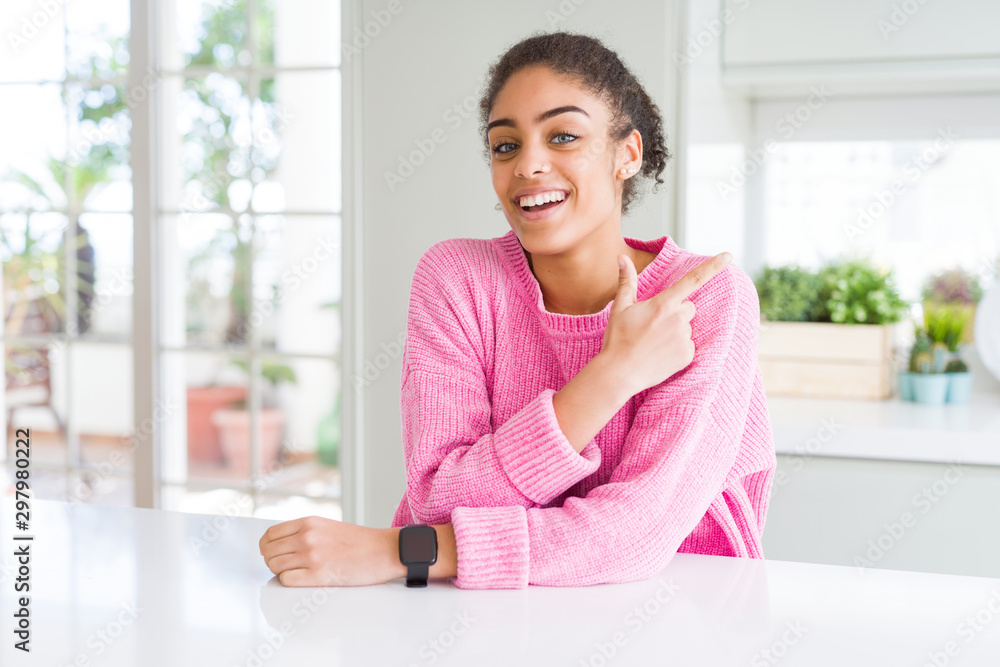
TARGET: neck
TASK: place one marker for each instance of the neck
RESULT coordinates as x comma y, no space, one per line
582,280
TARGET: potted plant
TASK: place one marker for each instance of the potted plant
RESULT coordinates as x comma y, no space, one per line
828,333
233,421
959,381
946,326
927,381
922,344
954,288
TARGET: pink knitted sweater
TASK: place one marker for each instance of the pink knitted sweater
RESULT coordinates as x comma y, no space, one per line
684,466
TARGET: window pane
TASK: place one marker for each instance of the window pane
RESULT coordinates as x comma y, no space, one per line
284,508
299,33
97,161
207,143
33,41
199,390
32,400
304,393
31,247
205,264
97,38
297,284
100,387
297,143
104,263
33,136
203,33
887,200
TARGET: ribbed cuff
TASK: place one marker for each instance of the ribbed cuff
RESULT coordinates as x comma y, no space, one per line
536,455
493,546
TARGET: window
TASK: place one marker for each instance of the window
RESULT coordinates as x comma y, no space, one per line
246,157
917,206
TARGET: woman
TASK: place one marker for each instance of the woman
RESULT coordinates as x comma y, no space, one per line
577,406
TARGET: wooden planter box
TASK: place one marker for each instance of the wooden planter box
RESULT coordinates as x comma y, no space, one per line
827,360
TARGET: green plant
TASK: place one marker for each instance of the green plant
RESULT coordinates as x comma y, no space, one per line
953,286
857,292
218,163
956,366
787,293
274,373
921,358
946,325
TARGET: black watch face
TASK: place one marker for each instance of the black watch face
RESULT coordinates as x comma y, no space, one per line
419,546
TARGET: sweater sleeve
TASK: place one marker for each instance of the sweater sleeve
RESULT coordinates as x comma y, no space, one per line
677,457
453,455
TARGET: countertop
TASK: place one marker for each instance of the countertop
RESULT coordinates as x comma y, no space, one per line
141,587
889,429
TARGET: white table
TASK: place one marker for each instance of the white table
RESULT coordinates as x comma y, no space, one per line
122,586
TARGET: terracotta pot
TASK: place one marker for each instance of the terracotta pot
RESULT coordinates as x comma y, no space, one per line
234,436
202,434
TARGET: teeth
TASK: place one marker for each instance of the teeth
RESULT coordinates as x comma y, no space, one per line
542,198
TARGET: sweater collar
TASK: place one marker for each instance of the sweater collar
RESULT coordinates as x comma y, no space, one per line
650,281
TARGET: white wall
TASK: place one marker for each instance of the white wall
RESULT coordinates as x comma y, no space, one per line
427,59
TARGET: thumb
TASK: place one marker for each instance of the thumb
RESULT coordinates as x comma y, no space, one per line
627,285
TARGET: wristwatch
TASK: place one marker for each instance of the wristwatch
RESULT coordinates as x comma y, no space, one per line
417,551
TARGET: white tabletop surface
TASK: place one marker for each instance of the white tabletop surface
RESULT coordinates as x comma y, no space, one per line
150,588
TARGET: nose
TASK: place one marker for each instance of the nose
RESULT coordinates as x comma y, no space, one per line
531,161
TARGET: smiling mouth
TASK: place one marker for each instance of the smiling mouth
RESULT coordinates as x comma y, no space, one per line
542,207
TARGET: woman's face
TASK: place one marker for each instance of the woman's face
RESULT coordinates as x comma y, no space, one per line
548,137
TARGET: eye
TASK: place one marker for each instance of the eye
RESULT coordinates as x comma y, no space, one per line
572,137
498,147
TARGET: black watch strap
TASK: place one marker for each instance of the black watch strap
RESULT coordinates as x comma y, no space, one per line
416,575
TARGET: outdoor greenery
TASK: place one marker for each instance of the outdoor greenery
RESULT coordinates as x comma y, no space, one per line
232,142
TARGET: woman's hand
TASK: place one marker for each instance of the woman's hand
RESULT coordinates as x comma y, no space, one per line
651,340
315,551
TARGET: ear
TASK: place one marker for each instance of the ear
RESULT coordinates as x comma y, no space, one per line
630,154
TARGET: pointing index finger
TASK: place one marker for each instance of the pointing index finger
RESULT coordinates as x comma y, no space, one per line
697,277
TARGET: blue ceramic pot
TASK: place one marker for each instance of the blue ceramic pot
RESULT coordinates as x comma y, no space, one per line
905,386
959,387
930,388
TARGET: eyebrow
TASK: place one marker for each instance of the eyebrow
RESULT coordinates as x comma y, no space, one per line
507,122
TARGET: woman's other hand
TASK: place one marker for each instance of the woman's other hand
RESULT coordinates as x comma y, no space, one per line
316,551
